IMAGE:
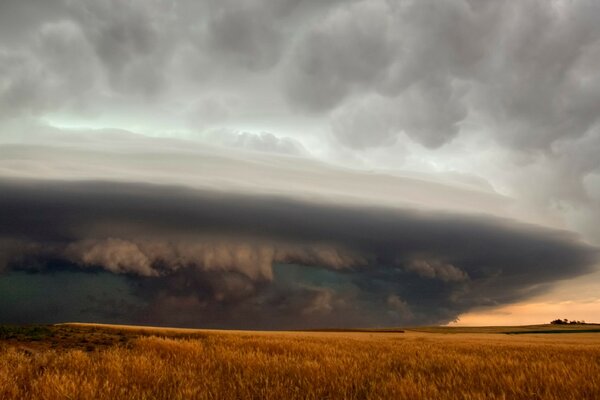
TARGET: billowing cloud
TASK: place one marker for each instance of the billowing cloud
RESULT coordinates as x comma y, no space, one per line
436,270
258,100
115,255
522,67
248,260
158,257
524,72
340,52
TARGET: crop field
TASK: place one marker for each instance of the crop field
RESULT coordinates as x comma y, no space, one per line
80,361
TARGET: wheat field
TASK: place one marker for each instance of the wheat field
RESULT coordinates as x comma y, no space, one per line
92,362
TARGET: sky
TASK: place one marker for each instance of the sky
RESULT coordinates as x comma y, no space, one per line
295,164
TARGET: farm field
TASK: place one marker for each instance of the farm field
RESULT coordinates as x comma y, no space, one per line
87,361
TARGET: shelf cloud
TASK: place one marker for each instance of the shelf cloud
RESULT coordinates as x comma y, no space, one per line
229,256
296,163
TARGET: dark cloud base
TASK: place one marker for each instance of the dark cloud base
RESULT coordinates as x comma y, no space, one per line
213,259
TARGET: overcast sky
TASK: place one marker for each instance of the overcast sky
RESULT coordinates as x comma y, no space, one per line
292,164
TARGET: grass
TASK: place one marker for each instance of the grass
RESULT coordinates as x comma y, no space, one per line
20,333
524,329
149,363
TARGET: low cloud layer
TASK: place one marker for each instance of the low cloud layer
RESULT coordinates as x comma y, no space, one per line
201,258
359,110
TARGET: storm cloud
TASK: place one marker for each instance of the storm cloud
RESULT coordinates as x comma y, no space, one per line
222,259
523,70
296,163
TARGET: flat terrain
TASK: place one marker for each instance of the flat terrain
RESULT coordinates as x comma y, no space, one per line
86,361
513,330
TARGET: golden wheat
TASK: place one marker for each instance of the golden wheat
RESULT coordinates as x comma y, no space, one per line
247,365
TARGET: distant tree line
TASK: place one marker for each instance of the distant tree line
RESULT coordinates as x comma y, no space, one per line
566,322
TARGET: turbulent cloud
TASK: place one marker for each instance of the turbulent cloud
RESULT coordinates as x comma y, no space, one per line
525,68
116,255
234,255
436,269
428,112
507,92
158,257
338,53
523,71
247,33
399,308
130,40
58,71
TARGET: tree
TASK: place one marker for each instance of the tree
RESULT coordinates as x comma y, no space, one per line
565,321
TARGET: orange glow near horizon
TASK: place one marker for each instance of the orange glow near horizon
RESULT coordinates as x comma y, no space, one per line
532,313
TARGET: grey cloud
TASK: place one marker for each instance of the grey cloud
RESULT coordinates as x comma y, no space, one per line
539,82
246,32
368,122
403,55
241,260
428,112
132,41
115,255
321,303
519,75
517,79
58,71
522,72
209,110
51,154
250,257
262,142
399,308
20,78
340,53
254,34
18,18
566,182
160,51
436,269
68,58
525,67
